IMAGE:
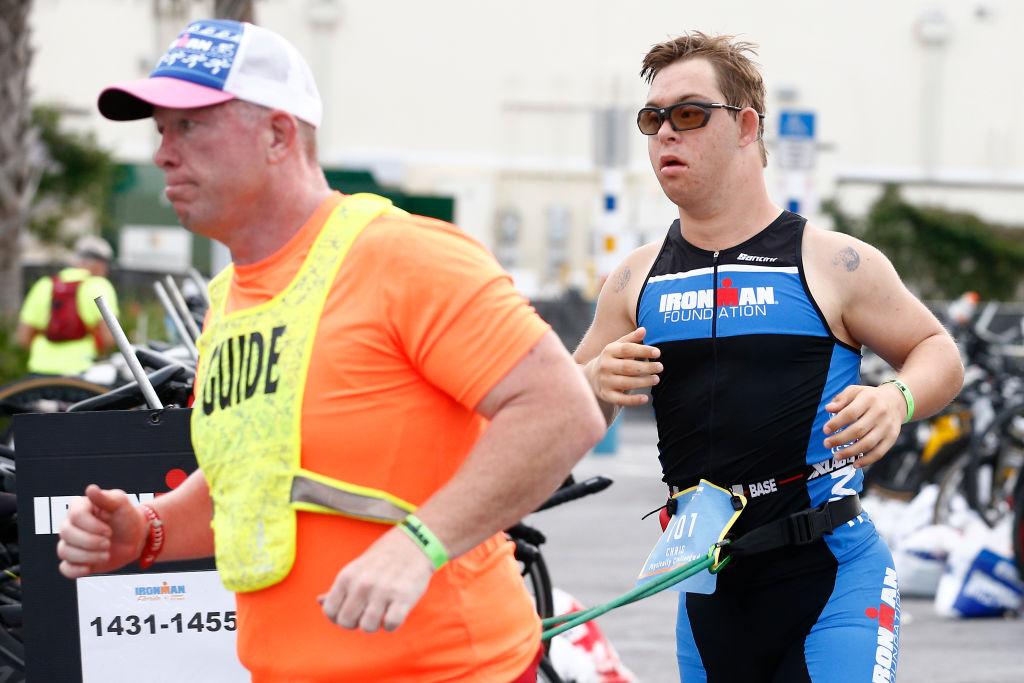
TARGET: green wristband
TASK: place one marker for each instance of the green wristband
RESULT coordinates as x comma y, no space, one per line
426,540
907,396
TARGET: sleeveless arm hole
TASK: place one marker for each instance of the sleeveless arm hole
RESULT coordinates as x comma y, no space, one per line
799,242
650,272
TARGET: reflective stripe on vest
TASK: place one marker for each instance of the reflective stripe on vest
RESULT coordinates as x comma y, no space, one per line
247,416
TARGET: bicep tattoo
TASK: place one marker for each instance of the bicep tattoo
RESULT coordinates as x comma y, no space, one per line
847,258
623,279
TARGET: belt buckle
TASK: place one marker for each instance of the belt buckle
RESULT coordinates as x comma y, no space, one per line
800,527
808,526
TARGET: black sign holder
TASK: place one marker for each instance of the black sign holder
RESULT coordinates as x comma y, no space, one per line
59,454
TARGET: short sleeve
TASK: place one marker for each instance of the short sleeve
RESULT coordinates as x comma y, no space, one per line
90,289
35,311
453,310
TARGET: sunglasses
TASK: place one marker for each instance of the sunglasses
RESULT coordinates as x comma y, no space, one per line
682,116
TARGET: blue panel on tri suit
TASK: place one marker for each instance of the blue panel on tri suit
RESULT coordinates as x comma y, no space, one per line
764,300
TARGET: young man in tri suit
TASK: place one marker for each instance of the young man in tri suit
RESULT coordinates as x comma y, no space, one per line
747,324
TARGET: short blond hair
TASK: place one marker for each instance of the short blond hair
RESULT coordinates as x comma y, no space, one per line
739,77
306,131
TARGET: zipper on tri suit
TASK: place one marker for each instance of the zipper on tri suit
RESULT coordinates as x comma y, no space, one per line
714,361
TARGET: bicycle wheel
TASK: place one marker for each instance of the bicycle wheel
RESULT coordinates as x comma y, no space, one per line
945,456
951,498
546,672
538,584
891,476
41,395
991,475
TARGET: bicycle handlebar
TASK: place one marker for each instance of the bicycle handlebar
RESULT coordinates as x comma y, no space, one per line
576,490
571,490
1000,342
129,395
154,359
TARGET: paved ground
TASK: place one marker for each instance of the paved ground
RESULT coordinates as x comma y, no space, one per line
596,546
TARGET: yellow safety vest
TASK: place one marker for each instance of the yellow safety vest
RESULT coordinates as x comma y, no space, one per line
247,415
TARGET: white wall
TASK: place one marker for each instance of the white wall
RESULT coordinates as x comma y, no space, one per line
494,102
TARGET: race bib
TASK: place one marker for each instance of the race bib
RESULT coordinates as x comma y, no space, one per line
704,515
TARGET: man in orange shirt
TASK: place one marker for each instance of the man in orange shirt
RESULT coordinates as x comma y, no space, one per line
357,360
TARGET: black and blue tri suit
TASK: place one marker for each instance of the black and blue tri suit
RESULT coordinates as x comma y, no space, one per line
749,365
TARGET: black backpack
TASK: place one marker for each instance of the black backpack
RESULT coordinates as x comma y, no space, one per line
65,323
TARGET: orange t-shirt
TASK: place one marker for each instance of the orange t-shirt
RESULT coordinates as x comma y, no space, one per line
420,324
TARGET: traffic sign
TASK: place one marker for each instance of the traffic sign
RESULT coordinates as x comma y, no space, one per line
796,125
797,147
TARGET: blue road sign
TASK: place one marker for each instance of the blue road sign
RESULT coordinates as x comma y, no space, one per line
796,125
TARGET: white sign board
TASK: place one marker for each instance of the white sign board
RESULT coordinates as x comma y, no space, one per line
796,149
158,627
155,247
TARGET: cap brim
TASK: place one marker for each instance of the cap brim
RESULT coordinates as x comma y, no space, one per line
136,99
95,255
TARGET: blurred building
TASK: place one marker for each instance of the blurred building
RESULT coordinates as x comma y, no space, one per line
523,112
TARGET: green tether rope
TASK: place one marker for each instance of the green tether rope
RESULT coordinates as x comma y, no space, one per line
573,619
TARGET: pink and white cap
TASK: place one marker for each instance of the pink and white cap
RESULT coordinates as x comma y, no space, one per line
214,61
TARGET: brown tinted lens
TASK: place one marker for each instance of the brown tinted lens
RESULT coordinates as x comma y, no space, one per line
648,121
687,116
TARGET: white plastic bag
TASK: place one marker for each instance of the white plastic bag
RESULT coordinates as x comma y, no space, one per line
896,519
981,579
921,559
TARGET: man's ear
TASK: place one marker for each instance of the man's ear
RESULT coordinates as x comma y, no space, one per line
284,134
750,126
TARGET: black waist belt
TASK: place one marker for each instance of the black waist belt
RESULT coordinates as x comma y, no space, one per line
801,528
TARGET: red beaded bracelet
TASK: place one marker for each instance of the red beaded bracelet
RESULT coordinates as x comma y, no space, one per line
154,539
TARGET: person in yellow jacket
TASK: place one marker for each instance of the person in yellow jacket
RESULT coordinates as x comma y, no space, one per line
357,360
59,322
